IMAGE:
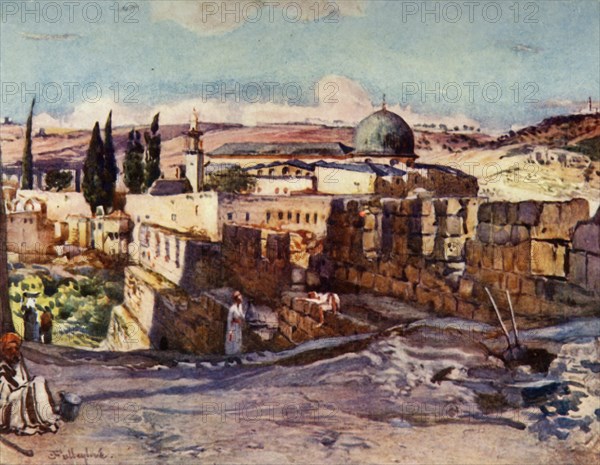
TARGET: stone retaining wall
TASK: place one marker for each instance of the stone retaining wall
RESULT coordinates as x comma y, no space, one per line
441,253
257,261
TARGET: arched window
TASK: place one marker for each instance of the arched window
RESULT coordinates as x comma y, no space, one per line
277,190
285,171
259,173
298,173
272,172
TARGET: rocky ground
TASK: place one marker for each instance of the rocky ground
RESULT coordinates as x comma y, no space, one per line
428,392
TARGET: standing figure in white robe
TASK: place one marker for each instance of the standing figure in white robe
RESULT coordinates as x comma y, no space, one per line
235,323
26,405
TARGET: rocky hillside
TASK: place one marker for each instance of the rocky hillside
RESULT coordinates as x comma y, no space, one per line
557,131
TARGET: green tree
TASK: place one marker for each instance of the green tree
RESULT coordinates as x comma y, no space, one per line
233,180
6,321
27,161
93,170
133,166
152,168
111,170
58,180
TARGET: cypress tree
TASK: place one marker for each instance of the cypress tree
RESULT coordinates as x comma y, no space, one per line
27,161
133,166
6,320
152,168
111,169
93,170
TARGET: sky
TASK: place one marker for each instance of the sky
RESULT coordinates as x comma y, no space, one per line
495,64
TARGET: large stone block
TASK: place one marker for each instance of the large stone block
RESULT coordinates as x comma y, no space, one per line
558,220
547,259
484,214
587,238
402,290
353,276
498,259
518,234
487,256
508,258
412,274
593,273
485,232
501,234
382,285
578,268
367,279
523,257
529,213
450,226
499,213
512,284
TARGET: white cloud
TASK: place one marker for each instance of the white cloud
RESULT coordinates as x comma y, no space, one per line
219,17
341,101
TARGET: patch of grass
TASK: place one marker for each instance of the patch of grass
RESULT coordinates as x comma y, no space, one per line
589,147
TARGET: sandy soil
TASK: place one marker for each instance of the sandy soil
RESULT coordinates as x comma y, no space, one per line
374,406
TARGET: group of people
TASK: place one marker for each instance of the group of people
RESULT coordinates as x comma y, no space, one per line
37,331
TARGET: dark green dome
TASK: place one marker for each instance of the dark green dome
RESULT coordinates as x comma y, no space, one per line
384,133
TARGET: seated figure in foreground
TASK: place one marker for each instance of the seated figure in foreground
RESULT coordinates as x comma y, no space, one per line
327,301
26,405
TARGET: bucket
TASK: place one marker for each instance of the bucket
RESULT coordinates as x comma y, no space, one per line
69,406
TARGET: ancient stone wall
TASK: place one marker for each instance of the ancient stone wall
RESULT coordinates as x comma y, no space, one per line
525,248
300,321
256,261
442,253
163,316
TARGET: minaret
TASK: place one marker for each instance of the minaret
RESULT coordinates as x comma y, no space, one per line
383,104
194,154
590,103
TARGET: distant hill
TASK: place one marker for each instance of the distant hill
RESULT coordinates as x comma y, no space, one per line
568,131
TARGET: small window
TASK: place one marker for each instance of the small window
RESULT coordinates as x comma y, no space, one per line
285,171
298,218
289,216
277,190
157,239
307,217
167,249
177,247
298,173
271,172
174,217
280,215
247,216
230,216
315,218
268,216
285,190
259,173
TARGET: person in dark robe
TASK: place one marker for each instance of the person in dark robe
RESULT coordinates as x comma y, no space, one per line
26,404
30,319
46,326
